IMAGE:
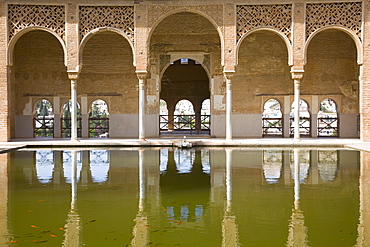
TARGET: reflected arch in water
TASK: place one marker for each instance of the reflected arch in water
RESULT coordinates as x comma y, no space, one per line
99,165
44,165
272,165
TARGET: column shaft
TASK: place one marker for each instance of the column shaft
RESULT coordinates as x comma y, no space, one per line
73,110
296,109
141,76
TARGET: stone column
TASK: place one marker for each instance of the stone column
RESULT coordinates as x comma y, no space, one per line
229,132
296,76
141,75
72,61
73,76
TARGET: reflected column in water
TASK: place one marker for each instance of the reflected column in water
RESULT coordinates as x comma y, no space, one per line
140,232
58,168
72,227
4,197
363,238
229,227
297,230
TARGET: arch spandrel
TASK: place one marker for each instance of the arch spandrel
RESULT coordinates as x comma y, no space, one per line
18,35
350,33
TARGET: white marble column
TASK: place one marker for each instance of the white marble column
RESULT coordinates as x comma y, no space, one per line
141,75
296,76
73,76
229,131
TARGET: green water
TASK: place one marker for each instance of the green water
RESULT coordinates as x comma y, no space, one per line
168,197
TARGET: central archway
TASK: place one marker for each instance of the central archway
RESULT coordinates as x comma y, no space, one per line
187,49
185,81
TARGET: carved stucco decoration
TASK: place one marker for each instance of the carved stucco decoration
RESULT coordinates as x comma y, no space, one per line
278,17
120,17
347,14
349,89
48,16
157,11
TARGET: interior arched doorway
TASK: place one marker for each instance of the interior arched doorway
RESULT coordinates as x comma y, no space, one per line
185,48
185,86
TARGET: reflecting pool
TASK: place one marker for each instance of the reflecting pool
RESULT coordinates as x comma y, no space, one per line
185,197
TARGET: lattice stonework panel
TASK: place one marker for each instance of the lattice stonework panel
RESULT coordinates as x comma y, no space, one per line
278,17
213,11
320,15
120,17
49,16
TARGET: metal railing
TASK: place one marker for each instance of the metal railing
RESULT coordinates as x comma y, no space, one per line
327,126
66,127
43,126
99,127
272,127
185,123
304,126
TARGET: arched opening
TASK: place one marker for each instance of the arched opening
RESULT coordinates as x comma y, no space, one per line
185,78
332,71
99,119
327,119
304,119
188,48
108,73
272,119
44,119
66,120
262,71
38,72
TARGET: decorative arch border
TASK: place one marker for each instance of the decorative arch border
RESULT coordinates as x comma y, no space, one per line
153,24
351,34
19,34
89,35
281,35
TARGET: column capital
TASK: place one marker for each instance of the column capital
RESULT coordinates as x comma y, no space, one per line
297,74
141,75
73,75
229,74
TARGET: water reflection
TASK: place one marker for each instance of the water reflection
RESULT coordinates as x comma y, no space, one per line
172,196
